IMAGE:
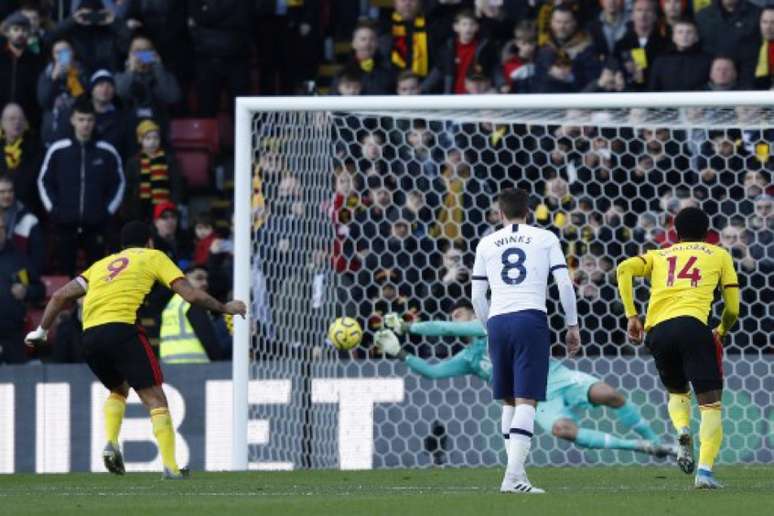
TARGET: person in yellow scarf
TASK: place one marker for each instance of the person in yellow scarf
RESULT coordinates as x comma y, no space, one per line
406,40
21,155
12,129
152,178
377,77
765,67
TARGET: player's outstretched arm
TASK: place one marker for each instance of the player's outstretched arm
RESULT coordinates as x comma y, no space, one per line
387,343
437,328
201,298
625,273
59,300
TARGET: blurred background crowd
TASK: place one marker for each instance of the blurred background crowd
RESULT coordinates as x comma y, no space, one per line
115,110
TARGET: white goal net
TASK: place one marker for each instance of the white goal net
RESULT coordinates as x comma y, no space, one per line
360,207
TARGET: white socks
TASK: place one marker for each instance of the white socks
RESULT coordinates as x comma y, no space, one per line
505,424
520,441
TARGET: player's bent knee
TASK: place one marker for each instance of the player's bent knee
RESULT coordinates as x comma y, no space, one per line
602,394
564,429
153,397
710,395
122,389
684,390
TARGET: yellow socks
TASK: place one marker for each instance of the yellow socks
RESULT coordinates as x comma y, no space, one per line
680,410
113,410
165,436
710,434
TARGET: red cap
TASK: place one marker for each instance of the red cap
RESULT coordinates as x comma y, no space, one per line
159,209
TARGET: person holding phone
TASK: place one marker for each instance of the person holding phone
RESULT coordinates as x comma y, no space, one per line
146,87
59,84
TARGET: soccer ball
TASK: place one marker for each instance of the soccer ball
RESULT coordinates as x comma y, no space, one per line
345,333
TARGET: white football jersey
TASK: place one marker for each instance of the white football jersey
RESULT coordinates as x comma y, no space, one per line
516,261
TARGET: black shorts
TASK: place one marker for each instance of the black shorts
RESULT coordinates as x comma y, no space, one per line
120,352
685,351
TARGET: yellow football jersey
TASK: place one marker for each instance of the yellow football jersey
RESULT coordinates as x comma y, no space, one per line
117,285
683,279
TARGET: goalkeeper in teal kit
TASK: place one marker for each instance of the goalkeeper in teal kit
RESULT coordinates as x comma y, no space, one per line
568,391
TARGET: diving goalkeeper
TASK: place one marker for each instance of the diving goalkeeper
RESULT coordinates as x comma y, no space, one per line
568,391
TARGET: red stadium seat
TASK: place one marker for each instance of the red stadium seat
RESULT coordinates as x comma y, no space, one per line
195,133
195,166
195,141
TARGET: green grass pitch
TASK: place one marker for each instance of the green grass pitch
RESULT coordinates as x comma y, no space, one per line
598,491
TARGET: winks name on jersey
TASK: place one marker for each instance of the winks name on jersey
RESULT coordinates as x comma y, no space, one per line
513,239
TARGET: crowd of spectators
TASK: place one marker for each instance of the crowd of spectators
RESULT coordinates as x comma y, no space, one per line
88,89
407,219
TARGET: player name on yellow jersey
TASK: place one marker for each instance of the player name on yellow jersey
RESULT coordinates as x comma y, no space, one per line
116,286
683,279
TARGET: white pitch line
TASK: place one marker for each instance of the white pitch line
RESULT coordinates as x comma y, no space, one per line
299,492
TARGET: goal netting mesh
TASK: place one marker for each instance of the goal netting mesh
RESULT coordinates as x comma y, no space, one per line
365,213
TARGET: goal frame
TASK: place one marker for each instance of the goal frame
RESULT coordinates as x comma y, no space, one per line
247,107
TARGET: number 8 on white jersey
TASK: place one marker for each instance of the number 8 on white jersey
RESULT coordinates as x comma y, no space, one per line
516,261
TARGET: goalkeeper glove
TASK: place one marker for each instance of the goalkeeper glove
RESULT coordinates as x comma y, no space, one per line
387,343
36,337
396,323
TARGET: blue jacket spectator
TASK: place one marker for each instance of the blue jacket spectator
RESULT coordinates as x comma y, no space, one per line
81,184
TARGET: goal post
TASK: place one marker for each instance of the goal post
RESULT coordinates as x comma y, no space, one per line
313,136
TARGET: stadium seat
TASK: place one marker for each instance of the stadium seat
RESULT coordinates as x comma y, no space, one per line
195,133
195,166
195,141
